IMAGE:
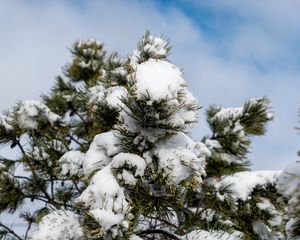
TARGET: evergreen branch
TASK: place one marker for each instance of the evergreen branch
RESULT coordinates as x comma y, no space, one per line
21,177
32,171
45,200
82,119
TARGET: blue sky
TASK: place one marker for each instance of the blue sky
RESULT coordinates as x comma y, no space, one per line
230,50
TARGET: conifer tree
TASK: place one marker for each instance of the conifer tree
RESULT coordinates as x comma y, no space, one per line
108,156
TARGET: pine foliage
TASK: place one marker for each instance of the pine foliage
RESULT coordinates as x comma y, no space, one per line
106,155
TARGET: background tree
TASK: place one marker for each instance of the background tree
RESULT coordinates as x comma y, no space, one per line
232,197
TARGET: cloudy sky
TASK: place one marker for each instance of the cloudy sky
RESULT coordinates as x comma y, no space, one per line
230,50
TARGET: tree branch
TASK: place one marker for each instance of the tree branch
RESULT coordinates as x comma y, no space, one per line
10,231
27,230
32,171
159,231
75,140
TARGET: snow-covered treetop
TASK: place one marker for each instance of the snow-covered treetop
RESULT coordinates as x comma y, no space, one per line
87,62
150,47
148,145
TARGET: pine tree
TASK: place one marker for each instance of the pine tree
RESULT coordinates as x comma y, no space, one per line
107,155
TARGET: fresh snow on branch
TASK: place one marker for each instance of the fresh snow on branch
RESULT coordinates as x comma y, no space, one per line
30,112
59,225
243,183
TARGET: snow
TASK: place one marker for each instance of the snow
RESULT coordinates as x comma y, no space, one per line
59,225
230,158
121,71
290,227
104,196
71,163
229,113
107,219
93,160
180,158
99,154
58,145
104,192
243,183
208,214
110,96
103,147
231,116
212,144
39,153
135,237
213,235
30,112
160,79
87,42
154,47
5,122
234,114
131,160
261,230
114,96
89,54
266,205
288,185
289,180
158,82
127,177
263,102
